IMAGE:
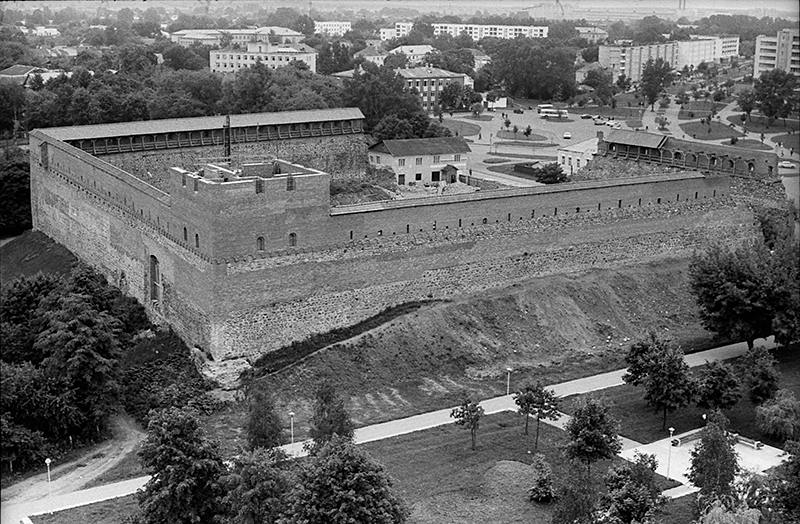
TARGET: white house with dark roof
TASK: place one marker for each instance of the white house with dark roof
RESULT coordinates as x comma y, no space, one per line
422,160
415,53
574,157
376,55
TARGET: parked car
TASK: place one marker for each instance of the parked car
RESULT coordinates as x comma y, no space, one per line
616,125
567,135
786,164
519,111
599,121
586,117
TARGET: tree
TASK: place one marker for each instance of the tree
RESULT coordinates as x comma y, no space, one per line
641,356
476,109
263,424
330,416
577,499
343,485
656,76
633,493
669,384
714,463
760,374
257,488
780,416
718,387
542,489
450,97
528,131
737,289
717,513
395,61
593,434
623,82
185,468
15,198
469,414
773,90
784,487
538,402
550,174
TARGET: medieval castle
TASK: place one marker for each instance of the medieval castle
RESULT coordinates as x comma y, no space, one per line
223,227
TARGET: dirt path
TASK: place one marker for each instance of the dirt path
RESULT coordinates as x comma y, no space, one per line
72,476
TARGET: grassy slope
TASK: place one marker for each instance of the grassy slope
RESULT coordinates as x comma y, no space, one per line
32,252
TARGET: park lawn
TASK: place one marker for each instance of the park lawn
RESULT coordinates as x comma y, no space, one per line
698,109
634,123
788,141
443,480
460,128
749,143
715,131
113,511
128,468
639,422
677,511
760,124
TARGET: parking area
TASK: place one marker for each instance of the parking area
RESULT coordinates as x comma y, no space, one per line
553,128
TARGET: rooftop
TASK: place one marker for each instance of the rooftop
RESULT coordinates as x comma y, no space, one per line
428,72
203,123
587,146
423,146
635,138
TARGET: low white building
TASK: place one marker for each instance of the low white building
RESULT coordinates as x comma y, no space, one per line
272,55
422,160
241,37
376,55
332,28
574,157
478,31
415,53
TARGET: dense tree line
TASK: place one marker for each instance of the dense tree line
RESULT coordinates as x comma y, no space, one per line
72,356
15,192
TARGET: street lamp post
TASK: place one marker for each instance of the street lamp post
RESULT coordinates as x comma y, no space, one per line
508,381
291,425
669,454
49,487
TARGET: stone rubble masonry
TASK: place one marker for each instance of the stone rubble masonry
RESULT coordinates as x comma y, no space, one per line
230,299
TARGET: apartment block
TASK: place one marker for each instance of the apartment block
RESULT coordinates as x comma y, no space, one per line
781,51
273,56
332,28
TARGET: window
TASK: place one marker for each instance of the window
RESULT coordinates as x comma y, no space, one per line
436,159
197,241
377,160
401,180
419,161
292,239
155,281
418,176
456,158
45,159
260,243
259,185
185,235
196,183
401,162
435,176
183,180
289,183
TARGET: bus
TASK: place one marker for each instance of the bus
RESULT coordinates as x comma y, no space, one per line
554,113
542,107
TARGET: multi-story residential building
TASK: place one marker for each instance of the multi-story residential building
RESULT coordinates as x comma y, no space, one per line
778,52
422,160
478,31
415,53
430,81
630,59
376,55
242,37
332,28
272,55
592,35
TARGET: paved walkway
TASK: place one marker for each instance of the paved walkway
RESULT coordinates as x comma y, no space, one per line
672,458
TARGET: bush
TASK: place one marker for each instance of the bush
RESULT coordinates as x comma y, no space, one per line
734,139
542,490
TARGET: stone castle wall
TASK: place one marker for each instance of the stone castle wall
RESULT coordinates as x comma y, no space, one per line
349,263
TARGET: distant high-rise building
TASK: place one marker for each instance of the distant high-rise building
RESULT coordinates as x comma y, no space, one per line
778,52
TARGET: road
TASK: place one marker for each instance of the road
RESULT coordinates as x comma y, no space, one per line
31,498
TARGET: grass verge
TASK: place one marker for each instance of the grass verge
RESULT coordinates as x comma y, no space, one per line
113,511
760,124
788,141
31,252
460,128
